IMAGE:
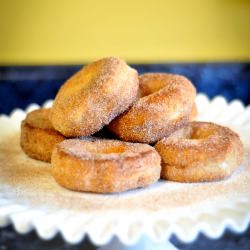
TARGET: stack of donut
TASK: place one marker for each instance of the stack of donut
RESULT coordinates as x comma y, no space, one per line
156,109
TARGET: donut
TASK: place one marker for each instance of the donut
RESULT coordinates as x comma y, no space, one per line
94,96
38,137
104,166
200,151
165,104
149,84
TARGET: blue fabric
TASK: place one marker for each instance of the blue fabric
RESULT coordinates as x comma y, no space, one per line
20,86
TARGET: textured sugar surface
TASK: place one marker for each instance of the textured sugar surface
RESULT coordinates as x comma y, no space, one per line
159,111
29,182
94,96
205,136
103,149
39,118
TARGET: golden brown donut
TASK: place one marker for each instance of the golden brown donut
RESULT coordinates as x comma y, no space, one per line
94,96
38,137
200,151
104,166
148,86
165,105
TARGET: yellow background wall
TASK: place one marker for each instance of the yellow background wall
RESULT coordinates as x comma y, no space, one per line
68,32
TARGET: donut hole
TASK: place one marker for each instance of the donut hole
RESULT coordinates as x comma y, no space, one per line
83,147
199,134
106,149
192,133
155,86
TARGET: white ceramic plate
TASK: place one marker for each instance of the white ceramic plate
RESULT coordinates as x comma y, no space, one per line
30,198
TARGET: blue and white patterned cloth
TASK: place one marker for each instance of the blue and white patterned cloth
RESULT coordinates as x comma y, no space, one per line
20,86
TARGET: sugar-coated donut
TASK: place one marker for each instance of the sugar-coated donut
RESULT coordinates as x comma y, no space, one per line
38,137
200,151
94,96
165,104
104,166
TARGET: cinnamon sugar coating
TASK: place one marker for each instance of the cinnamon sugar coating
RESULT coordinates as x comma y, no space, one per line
200,151
38,137
94,96
104,166
165,104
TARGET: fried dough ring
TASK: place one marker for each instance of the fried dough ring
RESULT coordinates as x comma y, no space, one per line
94,96
104,166
38,137
149,84
200,151
165,105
